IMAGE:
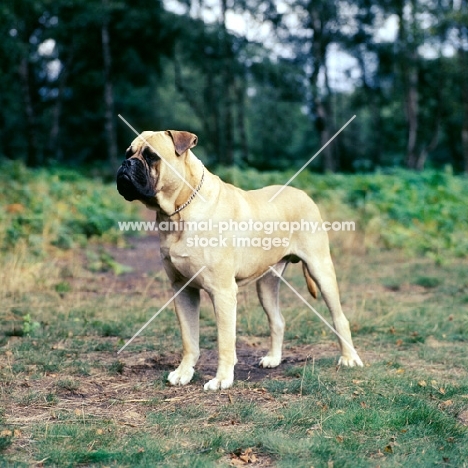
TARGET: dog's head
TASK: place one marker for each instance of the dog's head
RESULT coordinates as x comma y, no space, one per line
154,162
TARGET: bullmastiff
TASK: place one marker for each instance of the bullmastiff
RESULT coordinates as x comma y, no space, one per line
230,237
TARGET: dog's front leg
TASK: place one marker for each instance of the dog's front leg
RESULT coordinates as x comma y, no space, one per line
187,305
225,304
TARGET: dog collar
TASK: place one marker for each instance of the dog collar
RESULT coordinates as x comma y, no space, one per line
194,193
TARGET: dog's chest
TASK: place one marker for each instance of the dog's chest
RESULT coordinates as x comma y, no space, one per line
178,255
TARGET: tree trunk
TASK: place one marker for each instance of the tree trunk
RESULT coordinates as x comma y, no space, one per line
409,71
33,156
54,143
431,146
109,125
412,111
373,97
320,105
242,132
227,124
463,60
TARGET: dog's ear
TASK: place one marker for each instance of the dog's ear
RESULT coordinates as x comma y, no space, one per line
183,141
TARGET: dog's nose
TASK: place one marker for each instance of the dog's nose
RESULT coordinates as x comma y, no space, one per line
128,163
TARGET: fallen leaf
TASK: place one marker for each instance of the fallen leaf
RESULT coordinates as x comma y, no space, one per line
99,431
236,462
315,427
400,371
441,390
15,208
422,383
388,449
6,433
463,418
77,412
339,439
399,342
247,456
446,403
16,433
133,415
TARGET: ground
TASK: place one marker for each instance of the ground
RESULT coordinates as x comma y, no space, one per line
68,399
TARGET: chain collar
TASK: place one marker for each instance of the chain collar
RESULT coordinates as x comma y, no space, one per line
194,194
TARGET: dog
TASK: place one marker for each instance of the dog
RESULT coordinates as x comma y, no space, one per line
162,172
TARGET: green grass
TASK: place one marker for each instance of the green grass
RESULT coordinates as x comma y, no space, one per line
102,410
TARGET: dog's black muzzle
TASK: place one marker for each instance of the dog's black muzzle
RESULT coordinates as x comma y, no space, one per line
133,181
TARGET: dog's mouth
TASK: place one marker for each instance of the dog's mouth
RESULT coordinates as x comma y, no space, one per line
133,182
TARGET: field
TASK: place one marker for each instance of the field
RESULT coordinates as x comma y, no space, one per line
74,290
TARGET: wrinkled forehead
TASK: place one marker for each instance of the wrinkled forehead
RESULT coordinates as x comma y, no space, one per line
160,141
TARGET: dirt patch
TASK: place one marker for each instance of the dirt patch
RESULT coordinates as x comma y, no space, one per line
141,255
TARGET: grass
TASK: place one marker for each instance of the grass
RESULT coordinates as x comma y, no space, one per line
68,399
73,402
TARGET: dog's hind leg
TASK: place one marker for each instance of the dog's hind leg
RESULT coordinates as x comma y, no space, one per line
268,293
187,305
321,269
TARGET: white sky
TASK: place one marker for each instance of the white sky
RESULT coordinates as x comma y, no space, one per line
342,67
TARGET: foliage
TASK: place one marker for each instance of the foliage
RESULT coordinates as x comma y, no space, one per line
260,98
420,213
56,208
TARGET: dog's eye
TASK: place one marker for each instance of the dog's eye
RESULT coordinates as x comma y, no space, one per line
128,153
150,155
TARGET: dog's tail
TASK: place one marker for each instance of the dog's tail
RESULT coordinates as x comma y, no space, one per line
311,286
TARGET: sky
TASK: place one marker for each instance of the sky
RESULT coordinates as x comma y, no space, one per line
343,71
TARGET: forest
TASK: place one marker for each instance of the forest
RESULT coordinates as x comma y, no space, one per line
263,83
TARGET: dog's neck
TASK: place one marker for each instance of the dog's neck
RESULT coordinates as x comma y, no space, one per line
189,188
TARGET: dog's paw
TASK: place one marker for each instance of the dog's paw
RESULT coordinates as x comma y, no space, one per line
181,376
350,361
217,384
270,361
